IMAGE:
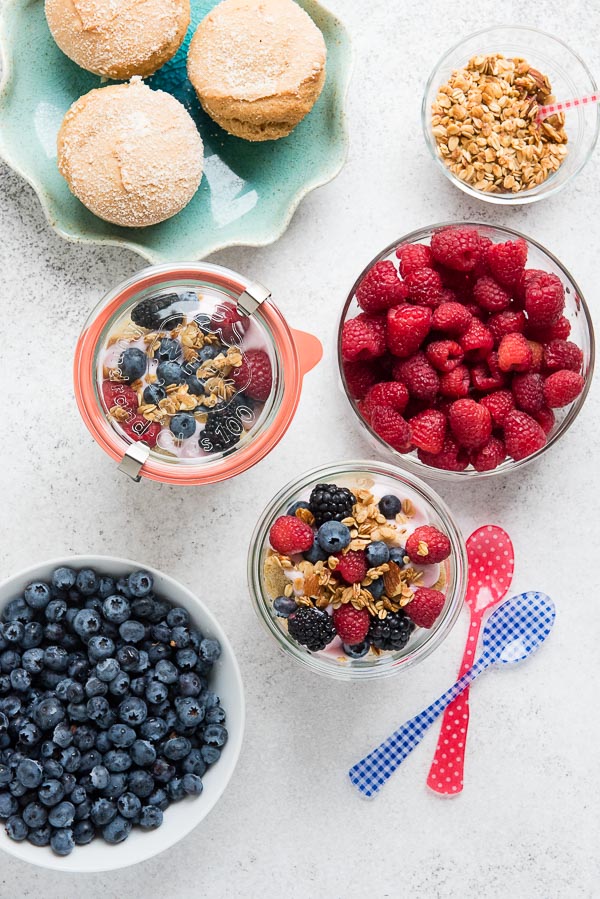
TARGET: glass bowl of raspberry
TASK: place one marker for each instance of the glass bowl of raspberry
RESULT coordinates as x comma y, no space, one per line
481,122
189,374
357,570
465,350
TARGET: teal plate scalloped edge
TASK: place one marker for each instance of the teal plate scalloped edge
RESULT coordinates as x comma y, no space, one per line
249,191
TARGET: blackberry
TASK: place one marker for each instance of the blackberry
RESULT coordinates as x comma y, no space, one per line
166,309
391,633
221,431
328,502
311,627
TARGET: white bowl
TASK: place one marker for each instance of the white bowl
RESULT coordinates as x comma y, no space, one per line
181,817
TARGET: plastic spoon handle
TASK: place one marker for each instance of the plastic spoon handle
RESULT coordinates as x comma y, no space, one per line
370,774
447,769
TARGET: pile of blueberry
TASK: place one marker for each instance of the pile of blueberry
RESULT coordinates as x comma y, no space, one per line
106,716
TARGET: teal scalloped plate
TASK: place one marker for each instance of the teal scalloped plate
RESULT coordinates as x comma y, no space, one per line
248,192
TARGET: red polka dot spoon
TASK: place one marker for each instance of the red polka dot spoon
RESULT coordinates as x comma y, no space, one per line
491,562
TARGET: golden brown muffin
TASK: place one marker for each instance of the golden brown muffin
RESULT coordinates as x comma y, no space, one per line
132,155
258,66
119,38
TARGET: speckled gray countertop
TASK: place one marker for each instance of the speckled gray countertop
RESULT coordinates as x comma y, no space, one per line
528,823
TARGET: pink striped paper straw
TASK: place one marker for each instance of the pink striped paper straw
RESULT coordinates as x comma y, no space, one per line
552,108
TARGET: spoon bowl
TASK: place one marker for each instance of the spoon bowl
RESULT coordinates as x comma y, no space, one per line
518,627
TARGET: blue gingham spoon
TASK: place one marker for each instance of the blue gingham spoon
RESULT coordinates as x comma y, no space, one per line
511,633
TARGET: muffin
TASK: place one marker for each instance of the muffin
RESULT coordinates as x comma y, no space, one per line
121,39
258,66
132,155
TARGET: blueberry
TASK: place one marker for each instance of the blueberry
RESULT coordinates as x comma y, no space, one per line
333,536
193,763
107,669
151,817
389,505
69,782
69,690
132,631
211,351
97,707
210,650
129,805
62,815
177,748
70,759
84,738
106,586
215,735
56,610
316,553
33,634
9,659
103,741
51,792
29,773
156,692
210,754
195,385
95,687
53,769
160,632
103,811
10,705
153,394
158,799
132,364
186,659
153,729
37,595
101,647
48,712
118,829
34,815
117,785
358,650
16,828
162,771
89,760
5,775
13,632
18,610
56,658
117,760
62,841
166,672
216,715
87,581
141,783
3,723
192,784
178,617
397,555
8,805
86,623
40,836
140,583
377,553
83,810
157,652
119,685
284,606
83,833
297,505
175,788
168,350
18,789
116,608
183,425
169,373
121,735
63,579
376,588
143,606
133,710
20,680
122,586
128,657
189,711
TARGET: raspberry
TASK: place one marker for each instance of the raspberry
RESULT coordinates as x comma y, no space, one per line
352,566
452,318
407,328
455,384
545,418
470,423
381,288
544,299
254,376
510,321
425,606
413,256
290,535
427,545
520,287
488,294
562,387
387,393
487,375
489,456
475,311
482,267
419,376
528,391
229,323
477,341
499,404
537,356
514,353
392,428
507,261
428,430
460,283
522,435
456,248
424,287
352,625
363,338
560,330
115,393
451,458
360,376
138,428
444,355
562,354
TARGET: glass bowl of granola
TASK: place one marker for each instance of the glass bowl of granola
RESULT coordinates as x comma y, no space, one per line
480,115
358,570
189,374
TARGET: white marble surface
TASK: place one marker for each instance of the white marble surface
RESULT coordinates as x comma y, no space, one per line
528,823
